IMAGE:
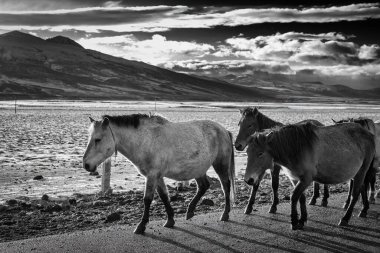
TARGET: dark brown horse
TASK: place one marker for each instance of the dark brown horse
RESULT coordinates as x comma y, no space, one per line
373,128
328,155
254,121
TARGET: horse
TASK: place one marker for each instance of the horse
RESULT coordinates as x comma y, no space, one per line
159,148
373,128
254,121
329,155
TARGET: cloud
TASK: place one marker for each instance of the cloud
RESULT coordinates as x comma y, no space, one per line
371,52
155,50
113,16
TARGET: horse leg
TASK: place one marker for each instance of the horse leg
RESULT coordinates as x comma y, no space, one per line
251,200
275,174
150,187
203,185
315,194
222,172
363,212
372,182
296,195
163,193
303,218
348,200
326,195
357,186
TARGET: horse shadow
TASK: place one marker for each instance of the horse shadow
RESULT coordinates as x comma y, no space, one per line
334,234
172,242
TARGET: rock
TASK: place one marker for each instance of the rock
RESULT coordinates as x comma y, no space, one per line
3,208
94,173
45,197
207,202
38,177
113,217
73,202
53,208
11,202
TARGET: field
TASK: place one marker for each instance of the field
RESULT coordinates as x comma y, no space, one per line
49,139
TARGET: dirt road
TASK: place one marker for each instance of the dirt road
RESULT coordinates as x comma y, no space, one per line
259,232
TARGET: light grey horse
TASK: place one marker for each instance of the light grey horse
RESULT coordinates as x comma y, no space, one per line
328,155
160,148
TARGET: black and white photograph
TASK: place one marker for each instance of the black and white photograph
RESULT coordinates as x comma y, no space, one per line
189,126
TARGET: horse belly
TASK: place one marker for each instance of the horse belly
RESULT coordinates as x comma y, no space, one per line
335,172
188,169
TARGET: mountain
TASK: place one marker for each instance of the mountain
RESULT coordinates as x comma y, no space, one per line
295,87
60,68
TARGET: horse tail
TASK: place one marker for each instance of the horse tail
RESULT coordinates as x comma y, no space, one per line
231,171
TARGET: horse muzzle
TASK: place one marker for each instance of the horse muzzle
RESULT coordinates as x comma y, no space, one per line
239,147
89,168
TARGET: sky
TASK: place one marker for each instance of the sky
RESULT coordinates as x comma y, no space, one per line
331,40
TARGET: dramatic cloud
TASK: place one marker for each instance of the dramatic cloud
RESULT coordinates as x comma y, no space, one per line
155,50
111,16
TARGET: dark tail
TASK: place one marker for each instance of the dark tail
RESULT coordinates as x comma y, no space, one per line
231,171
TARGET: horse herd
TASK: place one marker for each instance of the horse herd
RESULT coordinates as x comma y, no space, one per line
307,152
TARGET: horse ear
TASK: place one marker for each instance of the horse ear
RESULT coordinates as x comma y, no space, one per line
91,119
241,111
255,111
105,122
334,121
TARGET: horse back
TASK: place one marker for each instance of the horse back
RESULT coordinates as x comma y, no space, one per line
311,121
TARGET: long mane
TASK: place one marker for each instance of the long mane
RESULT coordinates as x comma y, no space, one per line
263,121
134,119
289,143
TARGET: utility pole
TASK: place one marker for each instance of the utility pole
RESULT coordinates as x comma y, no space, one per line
15,106
155,106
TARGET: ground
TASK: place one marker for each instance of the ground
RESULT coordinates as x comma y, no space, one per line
258,232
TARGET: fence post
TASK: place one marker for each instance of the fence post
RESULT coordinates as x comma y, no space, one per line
106,177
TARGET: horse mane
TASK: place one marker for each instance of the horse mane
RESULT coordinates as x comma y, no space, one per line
364,122
289,143
263,121
134,119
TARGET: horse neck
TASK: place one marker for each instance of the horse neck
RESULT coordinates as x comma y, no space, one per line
265,122
129,141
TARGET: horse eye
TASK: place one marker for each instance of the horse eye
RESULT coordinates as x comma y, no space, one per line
97,141
260,154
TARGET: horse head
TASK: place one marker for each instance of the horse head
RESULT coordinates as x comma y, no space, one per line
101,144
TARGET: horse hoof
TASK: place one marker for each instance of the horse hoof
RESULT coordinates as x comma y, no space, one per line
248,210
343,223
363,215
324,203
169,223
312,202
297,226
140,229
225,217
273,209
189,215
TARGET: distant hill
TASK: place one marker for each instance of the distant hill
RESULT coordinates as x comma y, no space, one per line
60,68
